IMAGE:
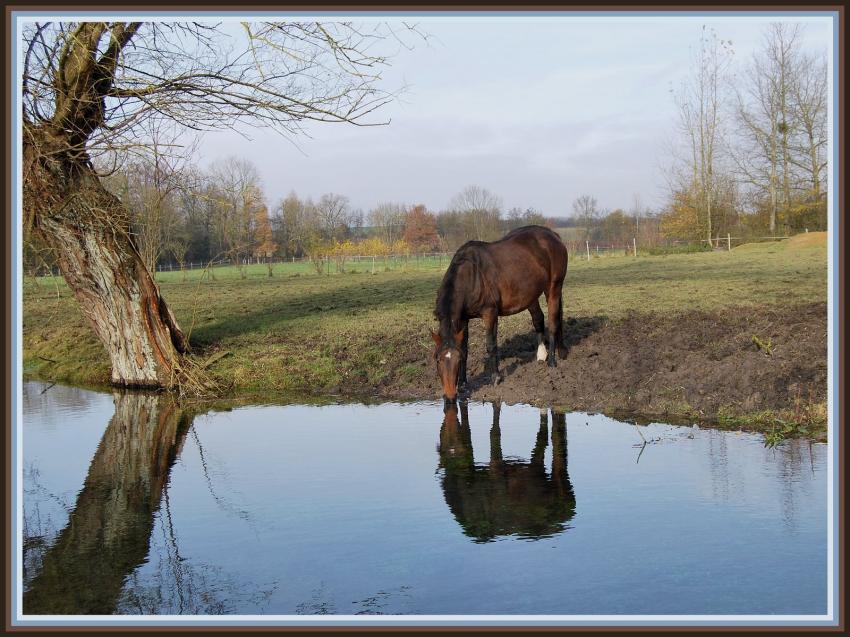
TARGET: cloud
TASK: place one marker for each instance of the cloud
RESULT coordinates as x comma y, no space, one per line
538,112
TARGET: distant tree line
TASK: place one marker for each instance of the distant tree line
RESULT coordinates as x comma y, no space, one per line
593,224
184,214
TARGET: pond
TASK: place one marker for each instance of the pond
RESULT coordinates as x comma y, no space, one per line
132,505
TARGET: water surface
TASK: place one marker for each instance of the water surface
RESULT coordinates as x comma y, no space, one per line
133,505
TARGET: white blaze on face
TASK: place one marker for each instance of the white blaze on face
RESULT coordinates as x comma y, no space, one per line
541,352
448,354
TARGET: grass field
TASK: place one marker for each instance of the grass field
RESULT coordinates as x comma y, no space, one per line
302,332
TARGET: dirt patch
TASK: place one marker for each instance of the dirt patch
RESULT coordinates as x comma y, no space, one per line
705,364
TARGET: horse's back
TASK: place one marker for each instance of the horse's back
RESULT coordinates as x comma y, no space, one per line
539,244
544,237
508,274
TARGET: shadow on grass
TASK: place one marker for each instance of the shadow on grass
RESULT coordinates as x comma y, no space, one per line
256,309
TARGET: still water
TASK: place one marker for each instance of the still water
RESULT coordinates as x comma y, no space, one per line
132,505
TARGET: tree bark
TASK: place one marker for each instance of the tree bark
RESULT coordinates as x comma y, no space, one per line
89,230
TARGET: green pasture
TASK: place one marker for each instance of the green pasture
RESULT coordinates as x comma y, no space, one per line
300,331
404,264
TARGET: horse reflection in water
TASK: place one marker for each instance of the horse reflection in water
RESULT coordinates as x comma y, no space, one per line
108,532
506,496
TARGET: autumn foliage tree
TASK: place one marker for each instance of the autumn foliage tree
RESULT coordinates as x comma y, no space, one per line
264,244
683,220
420,230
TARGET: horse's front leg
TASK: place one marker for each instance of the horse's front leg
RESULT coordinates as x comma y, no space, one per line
491,322
539,322
464,353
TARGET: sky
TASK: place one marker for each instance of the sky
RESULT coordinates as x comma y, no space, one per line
537,110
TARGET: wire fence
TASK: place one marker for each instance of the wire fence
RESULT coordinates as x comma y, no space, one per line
383,260
588,249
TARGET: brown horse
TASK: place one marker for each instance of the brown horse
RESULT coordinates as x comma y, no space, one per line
489,280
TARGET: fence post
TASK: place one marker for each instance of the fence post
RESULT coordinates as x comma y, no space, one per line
729,241
587,245
634,245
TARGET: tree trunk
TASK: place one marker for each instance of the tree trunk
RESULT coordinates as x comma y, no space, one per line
89,230
773,179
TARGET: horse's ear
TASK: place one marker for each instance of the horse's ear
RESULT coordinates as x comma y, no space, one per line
459,337
436,337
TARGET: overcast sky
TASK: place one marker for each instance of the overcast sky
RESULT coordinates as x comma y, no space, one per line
539,111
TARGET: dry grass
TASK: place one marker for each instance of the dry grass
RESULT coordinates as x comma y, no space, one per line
808,240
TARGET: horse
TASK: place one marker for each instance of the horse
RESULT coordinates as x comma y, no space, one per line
506,496
488,280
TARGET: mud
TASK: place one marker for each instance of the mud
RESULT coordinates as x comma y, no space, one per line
695,363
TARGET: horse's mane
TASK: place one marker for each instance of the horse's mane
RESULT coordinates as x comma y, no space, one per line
469,253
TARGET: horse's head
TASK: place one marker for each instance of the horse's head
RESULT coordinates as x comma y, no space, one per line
447,354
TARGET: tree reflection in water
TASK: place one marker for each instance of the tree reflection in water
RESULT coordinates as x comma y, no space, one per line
108,532
505,496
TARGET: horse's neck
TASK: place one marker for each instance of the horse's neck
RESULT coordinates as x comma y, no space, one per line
449,325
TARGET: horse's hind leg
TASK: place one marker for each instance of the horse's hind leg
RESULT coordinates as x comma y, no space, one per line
559,324
538,321
555,327
491,321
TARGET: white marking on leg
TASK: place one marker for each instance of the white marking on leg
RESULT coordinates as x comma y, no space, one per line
541,352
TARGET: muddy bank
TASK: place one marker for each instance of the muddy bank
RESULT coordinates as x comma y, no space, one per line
732,362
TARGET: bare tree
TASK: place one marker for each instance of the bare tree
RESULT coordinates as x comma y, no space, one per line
333,214
264,244
294,222
238,194
388,219
517,217
700,104
178,247
809,113
481,212
637,211
154,178
586,212
86,89
764,114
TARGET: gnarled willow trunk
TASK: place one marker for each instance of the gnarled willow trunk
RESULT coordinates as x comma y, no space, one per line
89,230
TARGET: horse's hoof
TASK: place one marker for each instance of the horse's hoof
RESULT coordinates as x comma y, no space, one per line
496,379
552,362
